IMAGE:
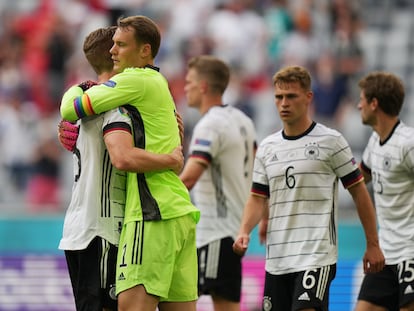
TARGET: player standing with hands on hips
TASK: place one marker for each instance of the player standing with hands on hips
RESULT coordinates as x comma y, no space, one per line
295,182
388,161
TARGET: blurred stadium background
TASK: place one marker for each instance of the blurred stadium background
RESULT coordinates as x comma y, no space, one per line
338,40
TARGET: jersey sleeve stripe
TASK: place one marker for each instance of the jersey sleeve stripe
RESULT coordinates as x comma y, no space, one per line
117,126
83,107
204,156
352,178
260,190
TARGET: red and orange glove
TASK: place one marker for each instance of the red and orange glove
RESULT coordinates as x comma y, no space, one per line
68,134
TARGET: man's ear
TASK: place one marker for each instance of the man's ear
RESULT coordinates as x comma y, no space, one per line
146,50
309,95
374,103
204,86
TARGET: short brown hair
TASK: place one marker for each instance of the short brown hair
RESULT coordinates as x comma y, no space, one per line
387,88
213,70
96,49
146,31
292,74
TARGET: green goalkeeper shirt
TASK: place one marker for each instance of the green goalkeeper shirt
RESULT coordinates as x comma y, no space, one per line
145,93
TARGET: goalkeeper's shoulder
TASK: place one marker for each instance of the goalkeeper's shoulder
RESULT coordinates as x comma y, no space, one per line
130,76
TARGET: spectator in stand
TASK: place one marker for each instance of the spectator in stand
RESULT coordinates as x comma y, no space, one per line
329,92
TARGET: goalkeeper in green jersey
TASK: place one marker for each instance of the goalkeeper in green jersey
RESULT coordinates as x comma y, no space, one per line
157,259
98,192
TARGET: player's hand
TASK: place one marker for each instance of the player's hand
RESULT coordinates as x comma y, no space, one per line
178,159
180,126
374,260
240,244
68,134
85,85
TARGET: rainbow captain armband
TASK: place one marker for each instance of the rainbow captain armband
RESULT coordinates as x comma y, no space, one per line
83,107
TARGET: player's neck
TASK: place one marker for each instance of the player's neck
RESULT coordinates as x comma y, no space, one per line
385,126
297,127
104,76
210,101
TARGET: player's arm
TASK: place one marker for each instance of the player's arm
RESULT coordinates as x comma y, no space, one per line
373,260
68,133
192,171
78,101
263,225
252,214
67,108
124,156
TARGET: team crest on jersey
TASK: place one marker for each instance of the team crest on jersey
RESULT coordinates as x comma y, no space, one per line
110,83
112,292
311,151
267,303
386,162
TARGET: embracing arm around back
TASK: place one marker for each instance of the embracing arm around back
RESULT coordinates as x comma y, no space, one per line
124,156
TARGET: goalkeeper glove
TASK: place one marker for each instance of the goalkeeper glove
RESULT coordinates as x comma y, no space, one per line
85,85
68,134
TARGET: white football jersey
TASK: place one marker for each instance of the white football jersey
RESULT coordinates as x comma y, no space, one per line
300,176
391,165
98,195
224,138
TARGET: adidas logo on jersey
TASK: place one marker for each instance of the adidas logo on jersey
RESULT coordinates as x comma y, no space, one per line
304,296
408,290
274,158
121,277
